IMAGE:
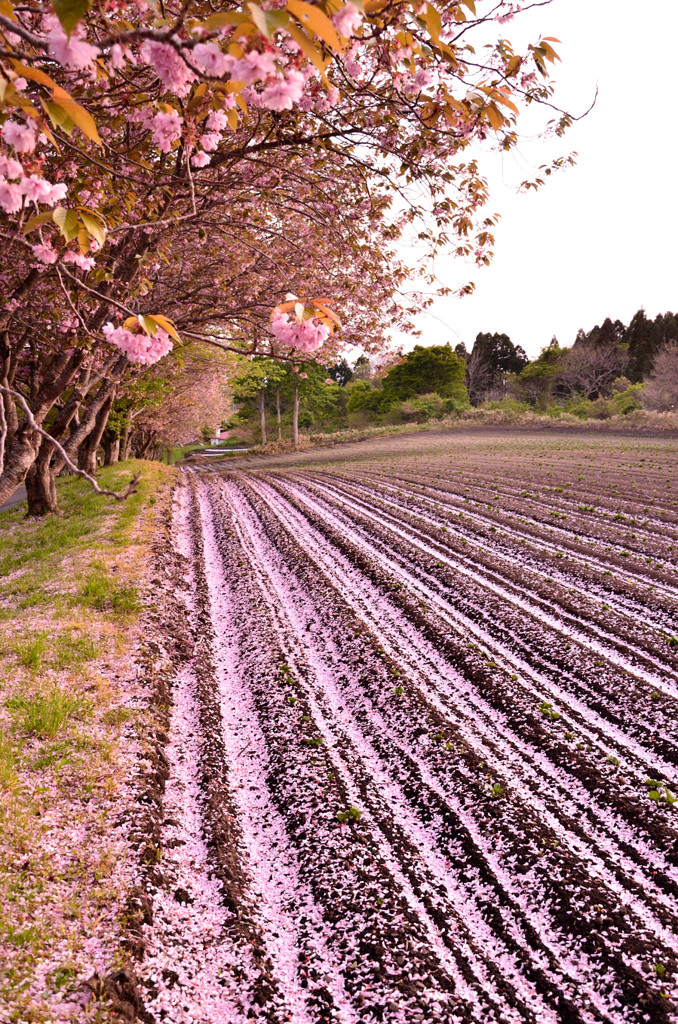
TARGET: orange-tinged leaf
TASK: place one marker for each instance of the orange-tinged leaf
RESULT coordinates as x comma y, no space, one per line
83,241
259,19
328,313
80,117
317,21
495,118
167,325
34,74
217,21
314,55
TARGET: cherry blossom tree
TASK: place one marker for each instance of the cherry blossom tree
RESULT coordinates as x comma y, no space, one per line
126,132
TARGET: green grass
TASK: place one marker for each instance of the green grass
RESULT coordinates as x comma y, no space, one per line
7,761
30,652
103,593
83,513
45,712
70,587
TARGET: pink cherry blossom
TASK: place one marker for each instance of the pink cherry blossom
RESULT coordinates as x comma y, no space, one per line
20,136
210,59
80,260
166,129
139,348
347,21
10,196
200,159
173,72
307,337
45,253
210,141
36,189
253,67
72,52
422,78
283,93
118,55
10,167
217,121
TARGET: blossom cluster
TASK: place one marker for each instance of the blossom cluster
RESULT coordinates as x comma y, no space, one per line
142,348
15,185
307,336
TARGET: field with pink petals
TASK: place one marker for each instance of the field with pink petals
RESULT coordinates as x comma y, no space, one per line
422,750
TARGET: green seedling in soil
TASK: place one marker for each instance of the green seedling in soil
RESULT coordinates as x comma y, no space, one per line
660,792
497,790
315,741
399,691
612,759
547,710
291,701
352,814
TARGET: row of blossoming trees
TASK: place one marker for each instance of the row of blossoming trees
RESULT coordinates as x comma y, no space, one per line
171,173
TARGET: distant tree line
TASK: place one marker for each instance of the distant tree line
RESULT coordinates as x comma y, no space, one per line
609,370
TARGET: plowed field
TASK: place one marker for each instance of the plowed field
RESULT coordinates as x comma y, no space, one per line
422,759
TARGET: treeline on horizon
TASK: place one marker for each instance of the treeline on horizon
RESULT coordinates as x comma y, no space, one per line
610,370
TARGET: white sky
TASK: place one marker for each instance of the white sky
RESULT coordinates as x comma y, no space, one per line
598,239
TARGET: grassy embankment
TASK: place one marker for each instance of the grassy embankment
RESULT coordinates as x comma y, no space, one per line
71,593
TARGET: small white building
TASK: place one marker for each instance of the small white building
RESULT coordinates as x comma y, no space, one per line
220,435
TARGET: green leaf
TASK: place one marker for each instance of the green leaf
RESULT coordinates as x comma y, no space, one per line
66,221
653,794
58,116
38,221
69,12
94,224
148,324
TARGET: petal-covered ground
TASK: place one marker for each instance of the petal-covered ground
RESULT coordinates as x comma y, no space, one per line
422,761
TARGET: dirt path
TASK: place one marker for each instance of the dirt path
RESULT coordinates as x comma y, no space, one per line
409,761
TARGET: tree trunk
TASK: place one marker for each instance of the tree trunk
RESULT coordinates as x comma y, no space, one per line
107,445
18,460
40,483
41,489
4,431
262,416
22,444
295,416
125,443
87,453
277,412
